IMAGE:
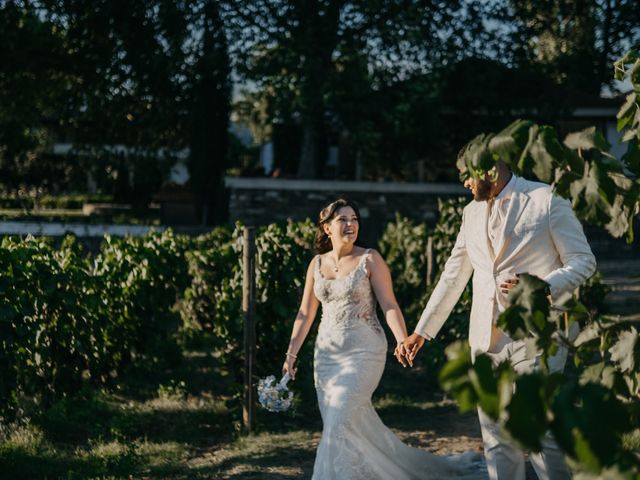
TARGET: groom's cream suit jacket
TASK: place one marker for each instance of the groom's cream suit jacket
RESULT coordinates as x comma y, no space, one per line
540,235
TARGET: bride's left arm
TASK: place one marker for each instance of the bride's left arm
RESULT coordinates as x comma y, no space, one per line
383,289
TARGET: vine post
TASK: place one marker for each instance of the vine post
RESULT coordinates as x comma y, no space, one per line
249,314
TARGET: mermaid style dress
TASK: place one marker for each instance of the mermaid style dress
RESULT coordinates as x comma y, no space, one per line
349,358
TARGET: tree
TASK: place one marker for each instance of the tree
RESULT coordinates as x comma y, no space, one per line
575,41
296,47
152,76
32,85
210,118
129,62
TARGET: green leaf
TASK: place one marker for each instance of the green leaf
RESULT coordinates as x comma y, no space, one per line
528,308
627,111
482,378
547,153
526,162
454,376
587,139
527,417
621,220
624,352
588,200
595,443
509,143
599,373
630,135
631,158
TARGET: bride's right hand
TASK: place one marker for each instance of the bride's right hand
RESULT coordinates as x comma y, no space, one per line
289,366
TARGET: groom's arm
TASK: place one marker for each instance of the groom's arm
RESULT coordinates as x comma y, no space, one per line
578,262
454,279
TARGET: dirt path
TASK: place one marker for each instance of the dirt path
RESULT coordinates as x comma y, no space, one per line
441,430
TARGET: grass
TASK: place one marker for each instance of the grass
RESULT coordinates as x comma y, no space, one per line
171,423
151,426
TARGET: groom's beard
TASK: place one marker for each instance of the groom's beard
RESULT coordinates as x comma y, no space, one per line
482,190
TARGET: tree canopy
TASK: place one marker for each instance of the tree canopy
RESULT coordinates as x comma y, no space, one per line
396,85
112,73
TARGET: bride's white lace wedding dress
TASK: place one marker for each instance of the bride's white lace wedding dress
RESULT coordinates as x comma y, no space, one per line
349,358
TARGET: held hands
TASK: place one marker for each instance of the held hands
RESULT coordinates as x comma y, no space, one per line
400,352
289,365
406,351
412,344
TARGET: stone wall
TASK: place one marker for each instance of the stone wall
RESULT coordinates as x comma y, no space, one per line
259,201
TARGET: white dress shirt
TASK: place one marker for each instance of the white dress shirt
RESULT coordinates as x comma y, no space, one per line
498,208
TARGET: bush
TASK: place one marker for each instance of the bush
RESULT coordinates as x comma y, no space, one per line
47,318
65,320
404,247
140,280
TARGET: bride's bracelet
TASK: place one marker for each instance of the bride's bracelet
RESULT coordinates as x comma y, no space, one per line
291,355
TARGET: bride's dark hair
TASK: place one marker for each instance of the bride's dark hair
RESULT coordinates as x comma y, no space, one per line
328,213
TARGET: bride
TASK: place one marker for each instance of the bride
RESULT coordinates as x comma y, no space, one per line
349,359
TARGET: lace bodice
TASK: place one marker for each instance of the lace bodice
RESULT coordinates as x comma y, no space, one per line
347,301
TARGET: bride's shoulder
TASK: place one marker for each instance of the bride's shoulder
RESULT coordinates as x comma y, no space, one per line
372,258
314,263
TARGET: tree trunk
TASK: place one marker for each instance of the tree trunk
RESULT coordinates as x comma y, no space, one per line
317,33
210,121
307,166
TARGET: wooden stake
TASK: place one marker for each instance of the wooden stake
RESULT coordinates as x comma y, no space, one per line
249,311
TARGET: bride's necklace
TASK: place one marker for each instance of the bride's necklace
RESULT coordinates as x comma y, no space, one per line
336,265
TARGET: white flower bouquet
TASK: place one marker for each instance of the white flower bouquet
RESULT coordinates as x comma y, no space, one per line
275,397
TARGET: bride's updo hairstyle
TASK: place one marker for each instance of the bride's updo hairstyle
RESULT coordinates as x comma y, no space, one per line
328,213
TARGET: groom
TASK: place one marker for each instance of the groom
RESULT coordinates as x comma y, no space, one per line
512,226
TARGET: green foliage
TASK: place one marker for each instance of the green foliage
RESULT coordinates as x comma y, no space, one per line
579,168
283,253
47,311
69,319
593,293
403,245
213,301
573,43
314,61
139,280
209,122
155,81
589,411
583,433
66,320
